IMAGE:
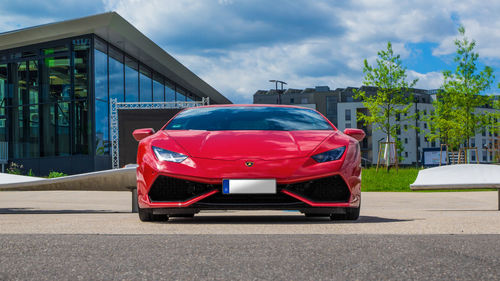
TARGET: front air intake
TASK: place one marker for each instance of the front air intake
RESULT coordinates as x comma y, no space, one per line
168,189
332,190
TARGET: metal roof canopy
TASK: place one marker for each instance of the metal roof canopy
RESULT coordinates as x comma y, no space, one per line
120,33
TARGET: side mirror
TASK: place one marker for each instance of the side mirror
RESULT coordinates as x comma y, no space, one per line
355,133
140,134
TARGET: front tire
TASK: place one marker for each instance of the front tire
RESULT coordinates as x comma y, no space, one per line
147,215
351,214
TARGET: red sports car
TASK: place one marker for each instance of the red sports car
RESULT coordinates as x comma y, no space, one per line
247,157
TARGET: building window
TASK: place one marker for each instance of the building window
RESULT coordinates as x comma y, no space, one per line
292,100
406,154
365,143
101,98
55,112
145,82
406,140
169,92
81,129
348,115
485,155
331,109
406,127
180,94
348,125
116,74
3,102
25,113
158,88
132,80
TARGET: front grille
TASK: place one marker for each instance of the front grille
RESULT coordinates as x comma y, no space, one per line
167,189
331,189
249,199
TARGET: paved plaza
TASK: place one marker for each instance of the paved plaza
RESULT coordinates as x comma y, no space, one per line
92,212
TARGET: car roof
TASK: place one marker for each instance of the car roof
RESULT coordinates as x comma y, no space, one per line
253,105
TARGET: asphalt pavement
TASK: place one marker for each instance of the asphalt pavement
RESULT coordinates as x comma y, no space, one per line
77,235
250,257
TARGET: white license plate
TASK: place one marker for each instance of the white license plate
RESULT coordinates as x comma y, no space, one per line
246,186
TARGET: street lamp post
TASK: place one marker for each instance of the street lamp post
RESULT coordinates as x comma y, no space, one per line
278,92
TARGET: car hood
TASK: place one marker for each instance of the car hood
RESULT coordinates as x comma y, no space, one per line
232,145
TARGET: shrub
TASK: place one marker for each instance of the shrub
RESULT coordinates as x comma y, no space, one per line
54,174
15,169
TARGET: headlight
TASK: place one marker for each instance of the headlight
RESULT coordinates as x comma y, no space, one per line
330,155
167,155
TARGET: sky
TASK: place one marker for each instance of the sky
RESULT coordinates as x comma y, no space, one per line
237,46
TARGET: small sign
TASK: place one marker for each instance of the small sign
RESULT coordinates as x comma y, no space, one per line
431,157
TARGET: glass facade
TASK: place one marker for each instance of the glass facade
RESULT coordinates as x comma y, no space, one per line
44,99
119,75
54,96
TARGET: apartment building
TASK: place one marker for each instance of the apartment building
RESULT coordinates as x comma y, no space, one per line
342,109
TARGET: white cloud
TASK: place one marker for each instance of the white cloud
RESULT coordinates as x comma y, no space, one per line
238,45
481,22
430,80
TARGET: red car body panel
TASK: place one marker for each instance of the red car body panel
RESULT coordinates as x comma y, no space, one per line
217,155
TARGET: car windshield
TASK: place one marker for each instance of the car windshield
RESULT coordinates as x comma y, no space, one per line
249,118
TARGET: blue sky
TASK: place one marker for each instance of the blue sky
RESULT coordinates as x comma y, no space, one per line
238,45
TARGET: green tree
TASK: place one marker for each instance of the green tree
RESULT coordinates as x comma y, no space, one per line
392,97
456,119
445,122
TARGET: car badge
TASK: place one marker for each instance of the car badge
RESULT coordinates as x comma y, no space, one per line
249,163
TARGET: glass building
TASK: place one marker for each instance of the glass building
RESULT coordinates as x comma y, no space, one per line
55,89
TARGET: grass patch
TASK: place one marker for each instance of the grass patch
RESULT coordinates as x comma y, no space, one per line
388,181
394,181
